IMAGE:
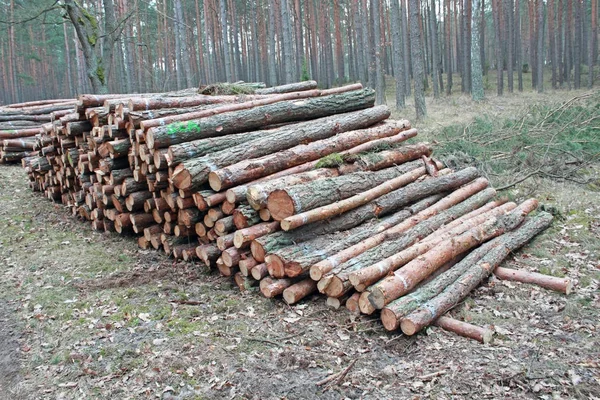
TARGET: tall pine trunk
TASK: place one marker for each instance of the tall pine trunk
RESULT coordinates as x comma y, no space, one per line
397,54
476,73
417,58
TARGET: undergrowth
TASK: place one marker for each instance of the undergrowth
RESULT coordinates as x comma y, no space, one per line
561,142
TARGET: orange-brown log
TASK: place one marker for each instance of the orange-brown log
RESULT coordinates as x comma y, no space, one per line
464,329
243,237
563,285
299,290
270,287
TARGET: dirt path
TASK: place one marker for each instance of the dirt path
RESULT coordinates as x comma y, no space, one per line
10,360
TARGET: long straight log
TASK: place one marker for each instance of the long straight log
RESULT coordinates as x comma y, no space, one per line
283,203
238,193
384,205
352,272
389,263
297,259
290,87
414,272
563,285
195,172
258,117
470,279
252,169
243,237
325,266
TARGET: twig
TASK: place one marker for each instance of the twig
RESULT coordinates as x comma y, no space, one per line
187,302
338,375
519,180
432,375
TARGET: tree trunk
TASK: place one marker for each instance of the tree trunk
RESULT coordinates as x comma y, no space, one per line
448,28
435,68
398,54
377,29
476,72
258,117
510,39
417,58
469,280
496,10
540,47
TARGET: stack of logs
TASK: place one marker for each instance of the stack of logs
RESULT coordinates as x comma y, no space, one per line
293,190
21,123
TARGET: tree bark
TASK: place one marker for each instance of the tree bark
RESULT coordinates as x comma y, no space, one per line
397,54
476,72
417,59
253,168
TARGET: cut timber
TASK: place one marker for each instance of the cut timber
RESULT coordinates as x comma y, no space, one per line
252,169
243,283
245,216
246,265
195,171
258,117
415,271
299,258
469,280
352,304
244,103
457,196
238,193
563,285
384,205
464,329
298,291
274,287
283,203
259,271
412,192
242,237
390,263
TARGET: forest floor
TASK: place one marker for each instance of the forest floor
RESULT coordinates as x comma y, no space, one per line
90,315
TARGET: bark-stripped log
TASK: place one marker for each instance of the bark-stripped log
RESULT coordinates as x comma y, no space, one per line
470,331
473,276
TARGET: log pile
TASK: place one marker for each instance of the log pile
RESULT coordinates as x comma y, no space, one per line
21,123
290,191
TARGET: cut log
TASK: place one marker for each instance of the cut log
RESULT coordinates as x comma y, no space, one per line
290,87
259,271
244,217
382,206
299,258
459,195
284,203
298,291
258,117
563,285
352,304
224,225
469,280
389,263
244,283
194,172
246,265
252,169
209,253
274,287
243,237
238,193
470,331
415,271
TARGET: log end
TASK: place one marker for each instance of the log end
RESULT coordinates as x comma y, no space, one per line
238,239
293,269
408,327
257,250
289,296
389,320
280,205
352,304
215,182
182,179
316,272
568,286
365,305
334,302
275,265
377,298
335,288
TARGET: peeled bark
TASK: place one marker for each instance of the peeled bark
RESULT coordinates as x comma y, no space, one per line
296,199
195,172
469,280
258,117
414,272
